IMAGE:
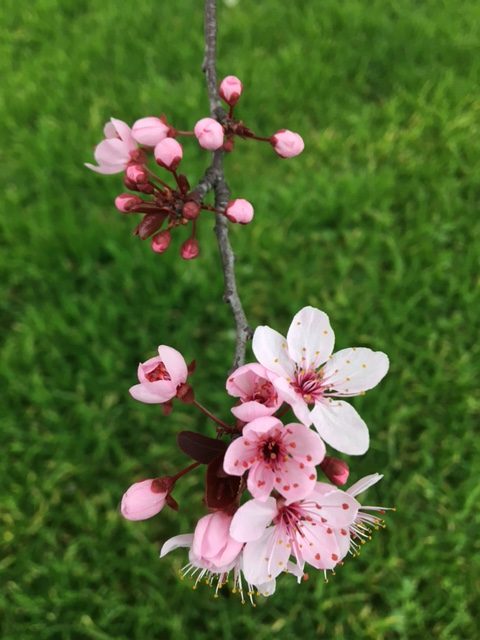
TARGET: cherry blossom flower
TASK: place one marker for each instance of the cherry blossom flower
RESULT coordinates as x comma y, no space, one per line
150,130
160,377
214,555
114,153
209,134
277,457
251,383
239,210
302,381
145,499
275,530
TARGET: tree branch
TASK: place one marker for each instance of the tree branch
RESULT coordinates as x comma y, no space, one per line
222,192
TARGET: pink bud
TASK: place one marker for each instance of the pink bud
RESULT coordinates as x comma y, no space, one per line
161,241
190,210
168,153
209,134
127,202
287,144
239,210
230,90
150,131
336,470
137,173
190,249
145,499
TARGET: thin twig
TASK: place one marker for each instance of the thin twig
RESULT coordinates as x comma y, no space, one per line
222,192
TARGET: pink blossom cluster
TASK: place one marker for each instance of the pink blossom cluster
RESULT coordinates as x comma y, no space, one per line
269,511
152,141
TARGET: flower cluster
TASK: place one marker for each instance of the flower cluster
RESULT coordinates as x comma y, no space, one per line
291,517
164,206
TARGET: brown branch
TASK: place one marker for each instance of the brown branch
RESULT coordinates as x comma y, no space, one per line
222,192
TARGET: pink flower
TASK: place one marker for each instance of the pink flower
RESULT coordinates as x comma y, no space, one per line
160,377
168,153
239,210
150,131
126,202
137,173
287,144
274,531
302,381
277,457
209,134
161,241
336,470
230,90
115,152
252,384
145,499
190,249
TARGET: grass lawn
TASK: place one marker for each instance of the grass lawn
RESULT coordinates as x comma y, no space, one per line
377,223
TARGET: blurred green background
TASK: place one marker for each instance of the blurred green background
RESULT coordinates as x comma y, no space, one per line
376,223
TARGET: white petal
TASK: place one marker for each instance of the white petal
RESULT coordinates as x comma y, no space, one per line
364,483
352,371
341,427
267,588
310,338
183,540
299,407
250,521
270,349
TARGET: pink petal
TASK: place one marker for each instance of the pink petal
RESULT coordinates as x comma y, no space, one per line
228,554
153,392
319,547
125,133
239,456
147,367
364,483
105,169
341,427
249,411
342,537
260,426
251,519
183,540
338,507
296,482
266,558
174,363
241,383
112,152
260,481
270,349
304,444
352,371
140,502
310,338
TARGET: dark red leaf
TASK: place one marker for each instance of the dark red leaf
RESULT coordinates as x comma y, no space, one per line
200,448
221,489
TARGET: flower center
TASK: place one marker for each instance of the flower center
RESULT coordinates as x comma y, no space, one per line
309,384
265,393
270,450
159,373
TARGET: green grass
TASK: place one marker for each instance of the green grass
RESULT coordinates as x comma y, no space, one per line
376,223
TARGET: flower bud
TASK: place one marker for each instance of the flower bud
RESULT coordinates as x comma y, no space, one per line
145,499
239,210
137,173
209,134
190,249
168,153
161,241
190,210
287,144
150,131
336,470
230,90
127,202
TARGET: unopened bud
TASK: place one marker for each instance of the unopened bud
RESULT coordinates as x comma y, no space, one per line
145,499
150,131
168,153
239,210
230,90
190,210
287,144
209,134
336,470
161,241
190,249
127,202
137,173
